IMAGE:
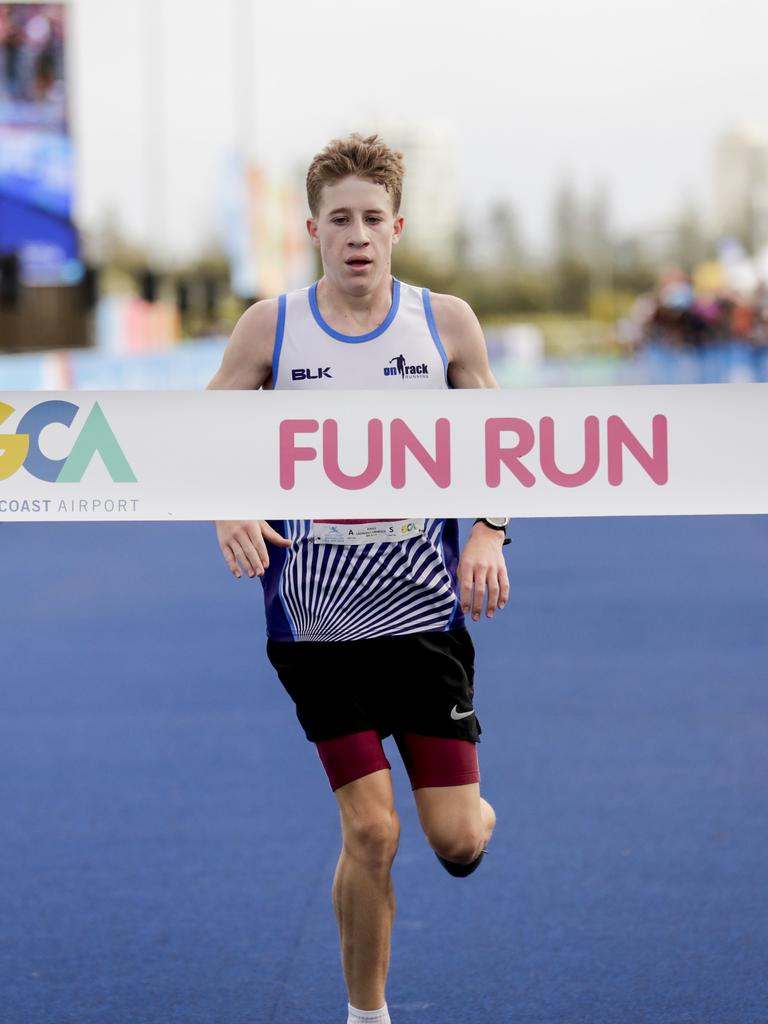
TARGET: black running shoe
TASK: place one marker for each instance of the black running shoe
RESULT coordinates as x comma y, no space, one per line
461,870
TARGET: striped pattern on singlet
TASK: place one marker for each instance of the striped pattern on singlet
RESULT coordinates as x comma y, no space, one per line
333,592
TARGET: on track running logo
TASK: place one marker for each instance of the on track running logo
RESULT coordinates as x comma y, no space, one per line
405,369
23,447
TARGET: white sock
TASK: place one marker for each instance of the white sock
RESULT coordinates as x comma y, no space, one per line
368,1016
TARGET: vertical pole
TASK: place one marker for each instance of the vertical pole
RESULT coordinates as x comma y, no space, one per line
154,124
243,63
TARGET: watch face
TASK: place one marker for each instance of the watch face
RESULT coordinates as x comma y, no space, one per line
499,522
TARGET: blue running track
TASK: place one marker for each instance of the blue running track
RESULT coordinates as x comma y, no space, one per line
168,838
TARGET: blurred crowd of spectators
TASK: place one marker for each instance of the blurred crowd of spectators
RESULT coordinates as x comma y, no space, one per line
32,63
685,322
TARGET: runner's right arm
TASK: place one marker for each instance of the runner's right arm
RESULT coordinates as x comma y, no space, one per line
247,362
247,366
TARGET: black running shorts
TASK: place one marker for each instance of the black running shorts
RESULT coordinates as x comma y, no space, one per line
413,683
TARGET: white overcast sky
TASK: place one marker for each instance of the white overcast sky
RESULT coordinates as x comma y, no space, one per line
626,95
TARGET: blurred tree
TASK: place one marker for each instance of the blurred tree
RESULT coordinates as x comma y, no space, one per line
632,271
599,239
507,249
568,225
690,246
463,246
599,232
570,279
570,288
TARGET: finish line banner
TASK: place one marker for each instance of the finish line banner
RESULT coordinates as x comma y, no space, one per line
606,451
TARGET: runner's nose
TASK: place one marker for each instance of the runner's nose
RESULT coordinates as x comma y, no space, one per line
358,234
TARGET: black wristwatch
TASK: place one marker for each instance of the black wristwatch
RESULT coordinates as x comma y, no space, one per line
496,524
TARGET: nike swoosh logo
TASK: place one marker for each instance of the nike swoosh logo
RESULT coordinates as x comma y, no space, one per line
456,714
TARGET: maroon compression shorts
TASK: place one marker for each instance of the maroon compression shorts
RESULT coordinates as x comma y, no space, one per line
429,760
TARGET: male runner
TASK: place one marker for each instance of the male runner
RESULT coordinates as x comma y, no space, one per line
367,635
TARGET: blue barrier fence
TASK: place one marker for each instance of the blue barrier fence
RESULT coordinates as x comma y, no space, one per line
191,364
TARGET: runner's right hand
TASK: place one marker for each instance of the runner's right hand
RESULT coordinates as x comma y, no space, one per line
243,543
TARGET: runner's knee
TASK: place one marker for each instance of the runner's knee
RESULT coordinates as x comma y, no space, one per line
462,845
373,836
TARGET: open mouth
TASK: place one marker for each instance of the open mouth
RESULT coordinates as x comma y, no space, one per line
358,262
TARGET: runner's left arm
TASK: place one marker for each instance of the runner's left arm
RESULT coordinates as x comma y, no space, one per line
482,570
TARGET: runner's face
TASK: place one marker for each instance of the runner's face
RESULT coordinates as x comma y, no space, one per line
355,230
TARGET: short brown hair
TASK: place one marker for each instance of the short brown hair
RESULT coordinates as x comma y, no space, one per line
368,157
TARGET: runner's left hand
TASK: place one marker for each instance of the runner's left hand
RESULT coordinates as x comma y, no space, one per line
482,572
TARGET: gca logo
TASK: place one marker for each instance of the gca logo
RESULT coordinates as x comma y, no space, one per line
23,447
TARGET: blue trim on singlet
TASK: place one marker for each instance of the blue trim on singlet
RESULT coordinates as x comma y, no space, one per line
279,619
279,331
456,609
288,617
442,553
456,620
457,603
433,330
355,338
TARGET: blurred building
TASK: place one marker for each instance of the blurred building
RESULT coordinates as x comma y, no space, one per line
261,219
741,186
430,195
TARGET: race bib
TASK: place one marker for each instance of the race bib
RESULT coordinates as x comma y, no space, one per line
356,531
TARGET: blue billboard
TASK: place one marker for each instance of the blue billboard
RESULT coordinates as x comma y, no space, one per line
36,158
